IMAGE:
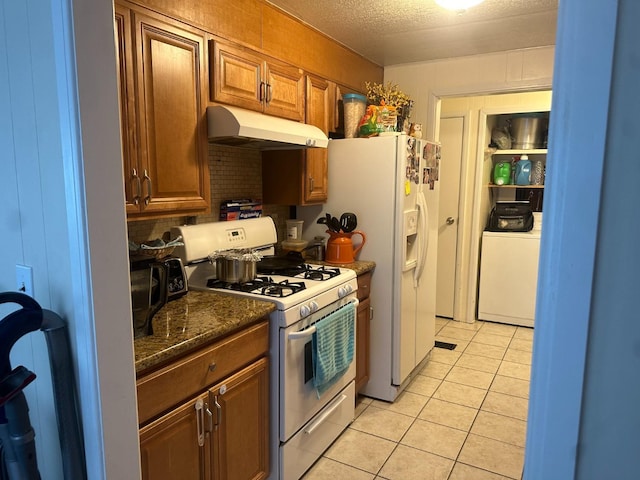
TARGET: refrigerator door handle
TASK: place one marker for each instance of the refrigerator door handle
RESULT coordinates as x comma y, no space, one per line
423,237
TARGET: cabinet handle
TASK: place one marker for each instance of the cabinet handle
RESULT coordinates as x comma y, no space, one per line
136,177
310,184
147,179
218,411
269,94
370,313
200,421
212,366
261,93
209,415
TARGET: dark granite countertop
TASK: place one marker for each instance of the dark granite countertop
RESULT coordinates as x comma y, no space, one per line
193,320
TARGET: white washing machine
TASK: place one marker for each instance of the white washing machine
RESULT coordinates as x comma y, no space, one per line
509,277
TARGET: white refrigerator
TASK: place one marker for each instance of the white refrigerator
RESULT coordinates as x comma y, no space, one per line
390,183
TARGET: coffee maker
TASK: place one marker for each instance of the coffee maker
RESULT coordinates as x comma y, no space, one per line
148,293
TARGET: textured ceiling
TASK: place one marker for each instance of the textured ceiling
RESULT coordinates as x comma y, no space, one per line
391,32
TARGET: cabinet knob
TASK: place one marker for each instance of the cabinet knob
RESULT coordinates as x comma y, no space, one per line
450,220
212,366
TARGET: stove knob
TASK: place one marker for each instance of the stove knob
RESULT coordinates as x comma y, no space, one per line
313,305
304,311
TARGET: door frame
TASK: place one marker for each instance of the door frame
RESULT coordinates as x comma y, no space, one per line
465,305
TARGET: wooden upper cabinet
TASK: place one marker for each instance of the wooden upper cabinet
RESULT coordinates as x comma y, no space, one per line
162,69
318,113
299,177
126,88
246,79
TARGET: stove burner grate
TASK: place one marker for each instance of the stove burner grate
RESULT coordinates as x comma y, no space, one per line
265,286
311,272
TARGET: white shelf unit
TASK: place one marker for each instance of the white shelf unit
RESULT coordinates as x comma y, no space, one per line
508,261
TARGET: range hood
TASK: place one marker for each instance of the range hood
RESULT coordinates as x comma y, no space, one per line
244,128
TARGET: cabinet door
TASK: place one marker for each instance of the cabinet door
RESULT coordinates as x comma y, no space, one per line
240,407
363,326
171,113
237,76
316,162
284,91
124,68
175,446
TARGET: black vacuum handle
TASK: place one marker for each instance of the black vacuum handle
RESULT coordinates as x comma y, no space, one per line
16,324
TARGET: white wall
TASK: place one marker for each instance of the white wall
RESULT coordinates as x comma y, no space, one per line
511,71
62,214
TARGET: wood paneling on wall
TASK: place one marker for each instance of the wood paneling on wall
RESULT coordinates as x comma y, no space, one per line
238,20
261,26
286,38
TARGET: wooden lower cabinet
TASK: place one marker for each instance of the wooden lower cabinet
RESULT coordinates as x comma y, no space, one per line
241,425
206,416
169,447
363,331
221,435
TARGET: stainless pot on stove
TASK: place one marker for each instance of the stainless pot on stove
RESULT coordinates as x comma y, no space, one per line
235,265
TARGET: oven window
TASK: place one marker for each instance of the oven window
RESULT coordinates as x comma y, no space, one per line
308,362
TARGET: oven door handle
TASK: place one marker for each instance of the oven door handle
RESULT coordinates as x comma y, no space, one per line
307,332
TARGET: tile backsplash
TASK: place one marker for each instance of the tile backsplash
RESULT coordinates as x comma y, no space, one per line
235,173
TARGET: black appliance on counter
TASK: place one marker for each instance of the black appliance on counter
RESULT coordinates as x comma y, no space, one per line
154,282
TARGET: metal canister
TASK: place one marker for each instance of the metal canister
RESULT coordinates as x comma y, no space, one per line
317,249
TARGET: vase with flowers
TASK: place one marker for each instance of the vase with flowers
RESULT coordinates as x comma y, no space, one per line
393,101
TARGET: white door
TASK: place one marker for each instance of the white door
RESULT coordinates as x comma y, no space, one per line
451,138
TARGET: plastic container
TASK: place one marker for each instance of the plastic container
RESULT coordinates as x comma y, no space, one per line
537,173
294,245
294,230
502,173
523,171
354,107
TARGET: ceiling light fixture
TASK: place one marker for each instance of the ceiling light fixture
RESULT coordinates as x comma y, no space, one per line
458,5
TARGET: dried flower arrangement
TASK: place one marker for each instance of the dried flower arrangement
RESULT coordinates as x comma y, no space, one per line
386,94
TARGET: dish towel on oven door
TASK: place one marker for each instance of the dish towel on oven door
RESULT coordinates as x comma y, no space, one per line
333,347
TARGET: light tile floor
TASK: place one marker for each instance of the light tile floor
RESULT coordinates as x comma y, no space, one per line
463,417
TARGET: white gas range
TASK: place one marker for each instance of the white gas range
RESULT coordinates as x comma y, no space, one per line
304,422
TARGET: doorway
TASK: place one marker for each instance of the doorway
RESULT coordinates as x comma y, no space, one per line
473,197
